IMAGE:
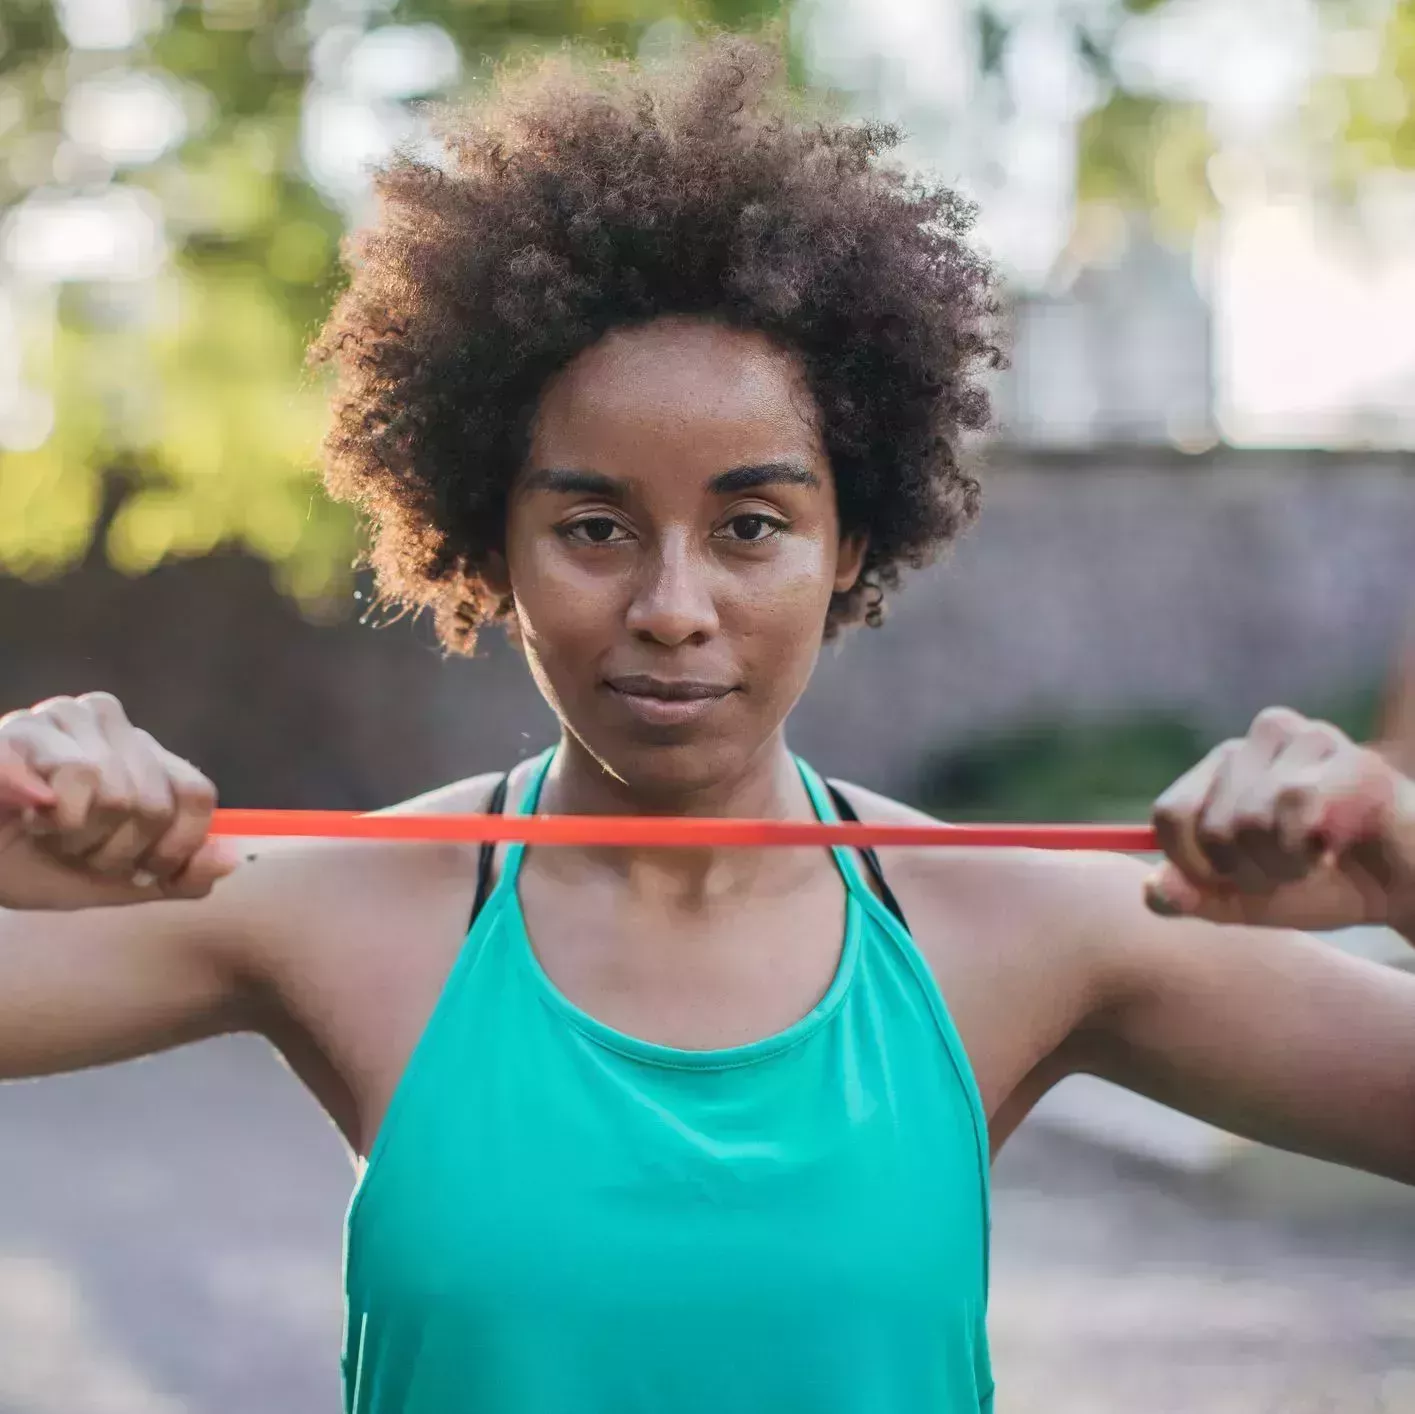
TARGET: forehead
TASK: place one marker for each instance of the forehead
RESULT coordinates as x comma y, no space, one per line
688,385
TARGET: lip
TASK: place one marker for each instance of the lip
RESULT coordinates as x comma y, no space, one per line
667,701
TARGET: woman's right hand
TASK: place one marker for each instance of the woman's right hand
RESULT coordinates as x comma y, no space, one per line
94,812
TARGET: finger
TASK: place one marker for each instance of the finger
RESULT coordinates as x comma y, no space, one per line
194,799
66,823
1358,791
21,786
1236,827
1273,810
150,809
46,750
1297,804
66,745
110,806
1324,899
211,863
1178,812
1172,893
1297,821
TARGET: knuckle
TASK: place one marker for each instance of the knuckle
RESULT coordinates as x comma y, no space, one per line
1370,762
152,808
1276,724
52,711
114,799
83,771
165,861
104,706
143,740
1317,729
193,791
1277,717
1252,820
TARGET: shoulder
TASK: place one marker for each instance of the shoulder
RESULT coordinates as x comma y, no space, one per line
466,797
1049,876
295,902
1078,910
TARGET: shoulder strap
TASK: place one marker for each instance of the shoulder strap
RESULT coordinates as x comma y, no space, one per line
872,864
487,854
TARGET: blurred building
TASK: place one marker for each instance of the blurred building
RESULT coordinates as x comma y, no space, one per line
1116,349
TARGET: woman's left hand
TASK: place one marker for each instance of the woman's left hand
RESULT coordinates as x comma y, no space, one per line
1294,826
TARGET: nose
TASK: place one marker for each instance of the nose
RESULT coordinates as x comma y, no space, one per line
673,600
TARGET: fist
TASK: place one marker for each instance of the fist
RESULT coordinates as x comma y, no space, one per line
94,812
1293,826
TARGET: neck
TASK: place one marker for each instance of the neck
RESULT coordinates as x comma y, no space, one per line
767,787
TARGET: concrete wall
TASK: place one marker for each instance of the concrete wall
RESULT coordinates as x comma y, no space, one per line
1095,581
1107,580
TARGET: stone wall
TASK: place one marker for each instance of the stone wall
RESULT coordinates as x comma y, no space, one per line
1095,582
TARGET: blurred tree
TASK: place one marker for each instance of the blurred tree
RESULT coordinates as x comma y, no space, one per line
1143,147
183,385
1375,105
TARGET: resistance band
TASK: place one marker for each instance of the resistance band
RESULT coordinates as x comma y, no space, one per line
637,831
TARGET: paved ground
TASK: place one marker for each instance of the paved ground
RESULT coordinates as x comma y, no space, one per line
169,1244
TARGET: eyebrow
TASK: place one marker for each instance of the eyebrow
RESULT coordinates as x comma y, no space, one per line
567,481
574,483
748,478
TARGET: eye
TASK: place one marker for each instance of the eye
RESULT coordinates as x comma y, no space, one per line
595,530
751,528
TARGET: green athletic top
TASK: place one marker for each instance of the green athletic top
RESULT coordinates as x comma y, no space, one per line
558,1218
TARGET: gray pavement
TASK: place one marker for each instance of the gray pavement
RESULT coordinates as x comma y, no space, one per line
169,1244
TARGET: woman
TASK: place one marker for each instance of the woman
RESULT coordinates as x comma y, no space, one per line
670,385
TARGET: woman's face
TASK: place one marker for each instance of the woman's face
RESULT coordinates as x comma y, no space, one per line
672,547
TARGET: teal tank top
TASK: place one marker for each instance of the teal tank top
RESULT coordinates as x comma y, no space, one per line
559,1218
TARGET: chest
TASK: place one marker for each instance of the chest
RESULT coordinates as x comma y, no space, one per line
711,973
728,977
840,1174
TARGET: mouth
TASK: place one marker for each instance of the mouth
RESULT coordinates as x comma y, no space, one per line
667,701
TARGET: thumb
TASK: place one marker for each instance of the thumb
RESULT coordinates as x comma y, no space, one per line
211,863
1171,895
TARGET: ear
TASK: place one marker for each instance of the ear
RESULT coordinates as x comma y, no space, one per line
849,559
496,574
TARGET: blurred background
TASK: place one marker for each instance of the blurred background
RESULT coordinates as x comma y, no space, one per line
1199,500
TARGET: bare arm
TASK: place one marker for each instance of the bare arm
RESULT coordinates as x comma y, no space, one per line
88,988
1266,1032
1223,1008
115,938
1255,1026
125,930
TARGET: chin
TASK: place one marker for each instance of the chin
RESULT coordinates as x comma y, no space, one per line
666,763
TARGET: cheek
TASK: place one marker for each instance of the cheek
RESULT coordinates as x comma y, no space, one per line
790,590
548,577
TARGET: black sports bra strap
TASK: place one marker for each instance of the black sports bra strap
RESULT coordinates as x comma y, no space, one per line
872,864
487,854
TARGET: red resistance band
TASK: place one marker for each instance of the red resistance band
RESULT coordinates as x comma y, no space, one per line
637,831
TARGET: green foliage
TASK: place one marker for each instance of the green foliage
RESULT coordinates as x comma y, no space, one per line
1143,152
1064,769
193,386
1380,126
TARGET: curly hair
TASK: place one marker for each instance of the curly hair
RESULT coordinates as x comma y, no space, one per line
582,196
